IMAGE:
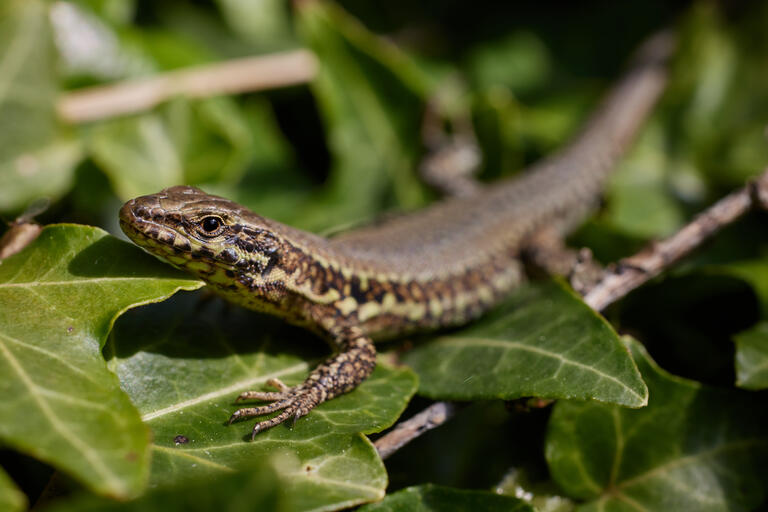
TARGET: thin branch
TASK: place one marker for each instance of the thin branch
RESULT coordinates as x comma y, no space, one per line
228,77
406,431
635,270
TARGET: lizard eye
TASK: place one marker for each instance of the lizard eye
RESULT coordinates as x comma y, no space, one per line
211,226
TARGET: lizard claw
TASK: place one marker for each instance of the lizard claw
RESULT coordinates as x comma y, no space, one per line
249,412
293,403
337,375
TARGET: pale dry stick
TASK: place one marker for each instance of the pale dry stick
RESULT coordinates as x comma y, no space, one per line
17,238
615,283
406,431
228,77
22,231
635,270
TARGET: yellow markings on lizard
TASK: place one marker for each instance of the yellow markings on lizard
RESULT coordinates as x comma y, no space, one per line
437,267
346,306
368,310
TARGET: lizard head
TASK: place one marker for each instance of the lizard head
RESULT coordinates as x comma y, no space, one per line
223,243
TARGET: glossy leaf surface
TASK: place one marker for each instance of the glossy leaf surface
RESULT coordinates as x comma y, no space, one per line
692,448
58,299
543,342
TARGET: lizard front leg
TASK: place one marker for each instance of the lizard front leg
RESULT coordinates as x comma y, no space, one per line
339,374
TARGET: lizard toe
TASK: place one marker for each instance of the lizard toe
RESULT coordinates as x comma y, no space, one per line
300,403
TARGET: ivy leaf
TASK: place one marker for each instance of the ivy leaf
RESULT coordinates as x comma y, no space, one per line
752,357
693,448
426,498
256,489
11,498
183,363
58,300
543,342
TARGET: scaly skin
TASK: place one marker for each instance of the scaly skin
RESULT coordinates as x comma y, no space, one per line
444,265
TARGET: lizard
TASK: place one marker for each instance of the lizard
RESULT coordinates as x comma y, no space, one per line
440,266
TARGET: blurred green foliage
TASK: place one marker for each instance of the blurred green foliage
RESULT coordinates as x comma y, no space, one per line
344,149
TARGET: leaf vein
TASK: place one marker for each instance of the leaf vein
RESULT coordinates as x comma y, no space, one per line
97,464
447,340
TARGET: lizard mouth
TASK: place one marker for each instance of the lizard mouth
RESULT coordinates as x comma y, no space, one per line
154,223
149,226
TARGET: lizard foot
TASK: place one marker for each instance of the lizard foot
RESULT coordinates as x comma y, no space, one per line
337,375
294,402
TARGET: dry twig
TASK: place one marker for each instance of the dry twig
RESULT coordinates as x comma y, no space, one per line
22,231
635,270
406,431
229,77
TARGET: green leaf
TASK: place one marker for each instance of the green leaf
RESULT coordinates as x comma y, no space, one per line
118,12
752,357
46,171
27,79
58,300
266,23
370,96
543,342
498,123
429,497
519,61
212,142
640,200
11,498
137,154
716,79
212,138
255,489
693,448
33,161
183,364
